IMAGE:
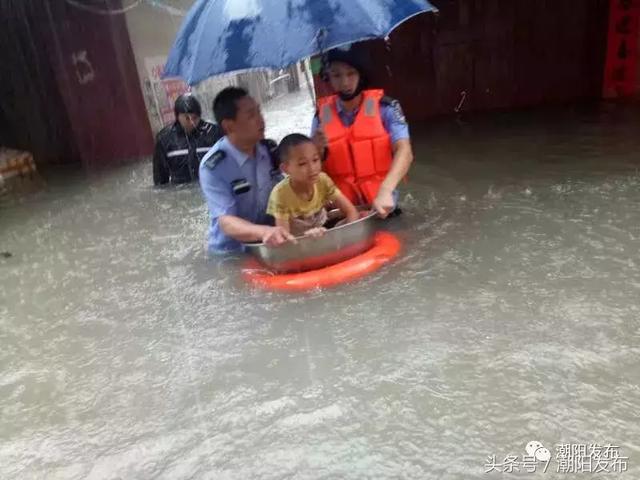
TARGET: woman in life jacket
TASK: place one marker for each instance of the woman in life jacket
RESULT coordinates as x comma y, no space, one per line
362,134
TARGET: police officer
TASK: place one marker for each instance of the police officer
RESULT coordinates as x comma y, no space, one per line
181,145
237,176
362,133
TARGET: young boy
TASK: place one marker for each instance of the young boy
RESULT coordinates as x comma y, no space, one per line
298,202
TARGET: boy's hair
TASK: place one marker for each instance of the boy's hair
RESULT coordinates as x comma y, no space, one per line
289,142
224,105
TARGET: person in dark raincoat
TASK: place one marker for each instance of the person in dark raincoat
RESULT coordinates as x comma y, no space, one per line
181,145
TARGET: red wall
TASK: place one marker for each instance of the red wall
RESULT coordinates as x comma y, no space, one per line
95,71
623,48
493,53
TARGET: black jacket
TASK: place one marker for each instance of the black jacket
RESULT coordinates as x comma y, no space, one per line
177,156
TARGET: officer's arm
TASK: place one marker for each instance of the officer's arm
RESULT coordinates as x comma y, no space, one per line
402,159
221,202
396,124
346,207
160,169
242,230
223,209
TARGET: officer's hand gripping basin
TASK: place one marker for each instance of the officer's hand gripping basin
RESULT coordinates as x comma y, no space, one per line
342,254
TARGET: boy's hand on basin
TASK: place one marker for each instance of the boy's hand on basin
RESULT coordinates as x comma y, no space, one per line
315,232
274,236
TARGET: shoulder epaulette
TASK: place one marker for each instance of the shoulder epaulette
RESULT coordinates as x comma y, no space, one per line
387,100
272,147
215,158
269,143
395,107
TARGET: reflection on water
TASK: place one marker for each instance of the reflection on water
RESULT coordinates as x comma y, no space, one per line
512,315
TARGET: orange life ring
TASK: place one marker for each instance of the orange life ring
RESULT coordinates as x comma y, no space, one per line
385,247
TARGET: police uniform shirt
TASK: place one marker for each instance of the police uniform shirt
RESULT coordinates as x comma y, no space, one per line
393,118
224,178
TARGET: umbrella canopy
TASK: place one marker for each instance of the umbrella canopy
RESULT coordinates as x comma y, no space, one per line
220,36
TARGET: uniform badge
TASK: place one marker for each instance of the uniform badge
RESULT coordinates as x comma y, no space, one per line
398,114
241,185
396,109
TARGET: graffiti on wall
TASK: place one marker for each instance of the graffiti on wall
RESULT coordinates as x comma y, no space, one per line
83,67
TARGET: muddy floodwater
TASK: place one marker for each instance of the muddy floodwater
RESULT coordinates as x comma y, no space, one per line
511,315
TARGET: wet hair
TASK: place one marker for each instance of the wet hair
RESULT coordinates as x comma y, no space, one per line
187,103
225,106
289,142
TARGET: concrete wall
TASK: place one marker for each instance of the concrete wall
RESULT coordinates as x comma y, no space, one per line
151,31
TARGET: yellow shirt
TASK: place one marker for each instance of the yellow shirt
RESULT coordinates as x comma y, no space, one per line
285,204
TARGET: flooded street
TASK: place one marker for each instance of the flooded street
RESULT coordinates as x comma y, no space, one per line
511,315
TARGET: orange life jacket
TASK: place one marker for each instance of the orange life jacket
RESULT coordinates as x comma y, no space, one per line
359,156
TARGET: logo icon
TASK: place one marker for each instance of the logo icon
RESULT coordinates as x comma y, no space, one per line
538,451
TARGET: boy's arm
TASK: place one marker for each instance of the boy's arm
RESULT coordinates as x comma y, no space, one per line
346,207
284,224
276,209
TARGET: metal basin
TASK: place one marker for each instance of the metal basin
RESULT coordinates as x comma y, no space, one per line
336,245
